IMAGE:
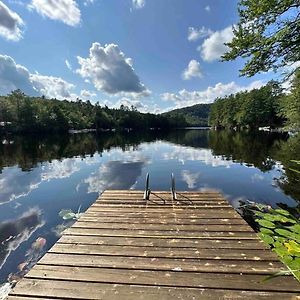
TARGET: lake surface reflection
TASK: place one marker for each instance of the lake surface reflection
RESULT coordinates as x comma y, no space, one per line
40,176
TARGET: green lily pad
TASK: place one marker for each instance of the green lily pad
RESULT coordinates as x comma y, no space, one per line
63,212
282,212
296,229
287,233
266,223
69,216
266,238
281,251
266,231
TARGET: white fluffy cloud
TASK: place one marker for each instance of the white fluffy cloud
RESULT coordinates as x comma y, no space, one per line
66,11
87,94
10,23
187,98
137,4
193,70
214,46
195,34
52,87
110,71
14,76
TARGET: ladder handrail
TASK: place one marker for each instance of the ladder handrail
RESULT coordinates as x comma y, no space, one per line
173,187
147,190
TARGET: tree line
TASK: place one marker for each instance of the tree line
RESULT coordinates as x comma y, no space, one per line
22,113
266,106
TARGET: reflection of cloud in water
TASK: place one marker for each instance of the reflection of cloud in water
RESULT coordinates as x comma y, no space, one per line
114,175
183,154
14,232
15,183
133,155
190,178
60,169
257,177
211,189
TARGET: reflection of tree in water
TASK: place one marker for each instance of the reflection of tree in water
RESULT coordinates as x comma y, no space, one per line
252,148
28,151
192,138
15,232
260,149
289,182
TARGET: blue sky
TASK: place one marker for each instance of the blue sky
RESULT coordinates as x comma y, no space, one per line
154,54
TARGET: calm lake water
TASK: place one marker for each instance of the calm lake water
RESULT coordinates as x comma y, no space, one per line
40,176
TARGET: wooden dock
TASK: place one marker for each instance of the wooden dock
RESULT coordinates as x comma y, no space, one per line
123,247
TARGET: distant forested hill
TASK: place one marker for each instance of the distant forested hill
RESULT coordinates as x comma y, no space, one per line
196,115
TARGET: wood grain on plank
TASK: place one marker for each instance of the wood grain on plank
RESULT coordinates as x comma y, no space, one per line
168,215
165,264
174,278
162,220
132,251
163,233
90,290
158,227
166,242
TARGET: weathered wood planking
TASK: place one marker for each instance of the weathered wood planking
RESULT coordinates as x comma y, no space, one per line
123,247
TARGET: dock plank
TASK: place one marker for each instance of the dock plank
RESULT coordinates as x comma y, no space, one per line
165,227
162,220
163,233
89,290
176,278
165,264
164,243
134,251
123,247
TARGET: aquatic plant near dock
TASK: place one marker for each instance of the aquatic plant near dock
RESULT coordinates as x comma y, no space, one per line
69,217
280,230
68,214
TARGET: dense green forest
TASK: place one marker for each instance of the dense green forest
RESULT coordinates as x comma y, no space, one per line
267,106
196,115
255,108
22,113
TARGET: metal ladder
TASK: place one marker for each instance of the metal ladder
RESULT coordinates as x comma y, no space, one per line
147,191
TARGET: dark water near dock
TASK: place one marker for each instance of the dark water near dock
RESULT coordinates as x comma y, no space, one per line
40,176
